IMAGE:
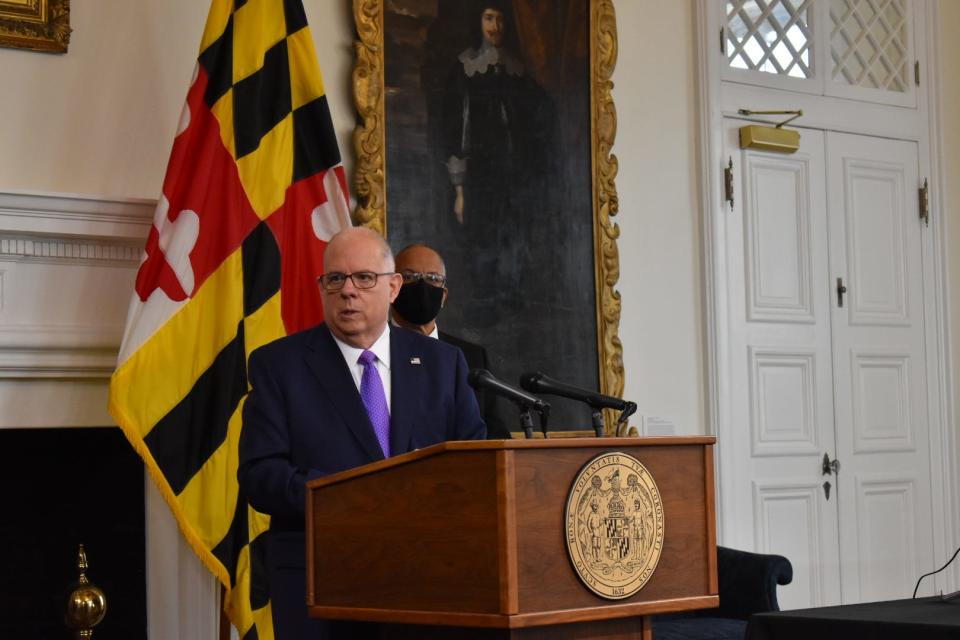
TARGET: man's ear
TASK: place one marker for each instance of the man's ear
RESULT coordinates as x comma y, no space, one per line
396,281
444,301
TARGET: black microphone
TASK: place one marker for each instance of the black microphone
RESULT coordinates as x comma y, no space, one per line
481,378
541,383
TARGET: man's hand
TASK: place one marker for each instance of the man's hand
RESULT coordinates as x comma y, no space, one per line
458,204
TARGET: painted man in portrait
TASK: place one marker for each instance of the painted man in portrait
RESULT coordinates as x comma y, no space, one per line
497,131
489,159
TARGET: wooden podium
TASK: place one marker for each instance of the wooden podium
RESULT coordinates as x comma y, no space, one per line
467,540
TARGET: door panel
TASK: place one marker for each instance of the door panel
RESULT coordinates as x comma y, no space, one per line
783,401
791,516
881,401
887,507
886,537
876,244
780,365
777,229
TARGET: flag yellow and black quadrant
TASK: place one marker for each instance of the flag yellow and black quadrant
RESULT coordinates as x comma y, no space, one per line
253,192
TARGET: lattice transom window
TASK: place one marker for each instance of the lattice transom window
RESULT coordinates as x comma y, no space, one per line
868,43
772,36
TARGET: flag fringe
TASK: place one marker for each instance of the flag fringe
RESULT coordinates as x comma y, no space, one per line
210,561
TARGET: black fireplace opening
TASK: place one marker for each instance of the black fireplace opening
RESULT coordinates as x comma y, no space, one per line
62,488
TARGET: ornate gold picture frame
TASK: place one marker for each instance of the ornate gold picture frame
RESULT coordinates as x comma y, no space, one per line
40,25
375,134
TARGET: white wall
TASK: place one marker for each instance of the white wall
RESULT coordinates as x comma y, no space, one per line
100,120
660,267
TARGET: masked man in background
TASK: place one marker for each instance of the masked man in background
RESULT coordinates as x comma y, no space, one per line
423,294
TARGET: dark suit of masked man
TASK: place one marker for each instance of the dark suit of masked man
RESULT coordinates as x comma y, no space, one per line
346,393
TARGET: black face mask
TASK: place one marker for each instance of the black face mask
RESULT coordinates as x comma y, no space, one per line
419,302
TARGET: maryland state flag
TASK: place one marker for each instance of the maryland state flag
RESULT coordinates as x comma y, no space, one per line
253,192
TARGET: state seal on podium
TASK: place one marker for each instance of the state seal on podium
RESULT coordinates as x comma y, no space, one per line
614,525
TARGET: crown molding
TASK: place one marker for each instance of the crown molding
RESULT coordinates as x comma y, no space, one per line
62,215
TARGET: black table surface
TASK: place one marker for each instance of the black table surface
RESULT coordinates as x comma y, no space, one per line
928,618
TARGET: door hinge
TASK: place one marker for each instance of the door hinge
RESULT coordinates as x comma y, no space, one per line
728,183
925,202
723,41
916,73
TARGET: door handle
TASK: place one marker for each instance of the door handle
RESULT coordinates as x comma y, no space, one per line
829,467
841,289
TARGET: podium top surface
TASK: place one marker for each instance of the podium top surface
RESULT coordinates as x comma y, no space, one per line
509,445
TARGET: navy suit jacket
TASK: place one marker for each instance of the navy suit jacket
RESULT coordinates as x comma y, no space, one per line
304,419
498,413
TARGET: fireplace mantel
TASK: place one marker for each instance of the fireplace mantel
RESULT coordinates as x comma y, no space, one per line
67,267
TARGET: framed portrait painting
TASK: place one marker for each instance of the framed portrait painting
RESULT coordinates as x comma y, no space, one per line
485,132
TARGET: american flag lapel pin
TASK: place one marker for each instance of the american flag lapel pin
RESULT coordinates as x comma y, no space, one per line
415,360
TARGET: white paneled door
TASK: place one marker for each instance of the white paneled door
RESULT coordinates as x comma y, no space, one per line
813,375
781,376
879,367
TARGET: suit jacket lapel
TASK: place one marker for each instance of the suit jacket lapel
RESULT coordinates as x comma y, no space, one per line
325,361
406,380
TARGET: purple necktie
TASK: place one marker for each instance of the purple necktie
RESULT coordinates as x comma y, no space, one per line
375,400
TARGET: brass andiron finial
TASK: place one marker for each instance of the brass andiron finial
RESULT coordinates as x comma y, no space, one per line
87,604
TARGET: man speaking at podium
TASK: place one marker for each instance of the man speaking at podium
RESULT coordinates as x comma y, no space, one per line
346,393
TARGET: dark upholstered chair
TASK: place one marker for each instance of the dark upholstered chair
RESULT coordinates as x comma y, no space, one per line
748,584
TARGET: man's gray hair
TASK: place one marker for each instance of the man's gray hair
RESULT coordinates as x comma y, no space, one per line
385,251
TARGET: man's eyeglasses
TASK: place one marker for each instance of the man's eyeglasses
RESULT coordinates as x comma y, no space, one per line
335,280
435,279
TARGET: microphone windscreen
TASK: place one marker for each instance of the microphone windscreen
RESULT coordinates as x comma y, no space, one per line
475,376
531,381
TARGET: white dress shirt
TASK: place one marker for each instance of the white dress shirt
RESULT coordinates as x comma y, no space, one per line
381,349
433,334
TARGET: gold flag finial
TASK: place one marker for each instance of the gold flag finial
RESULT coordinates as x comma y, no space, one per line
87,604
